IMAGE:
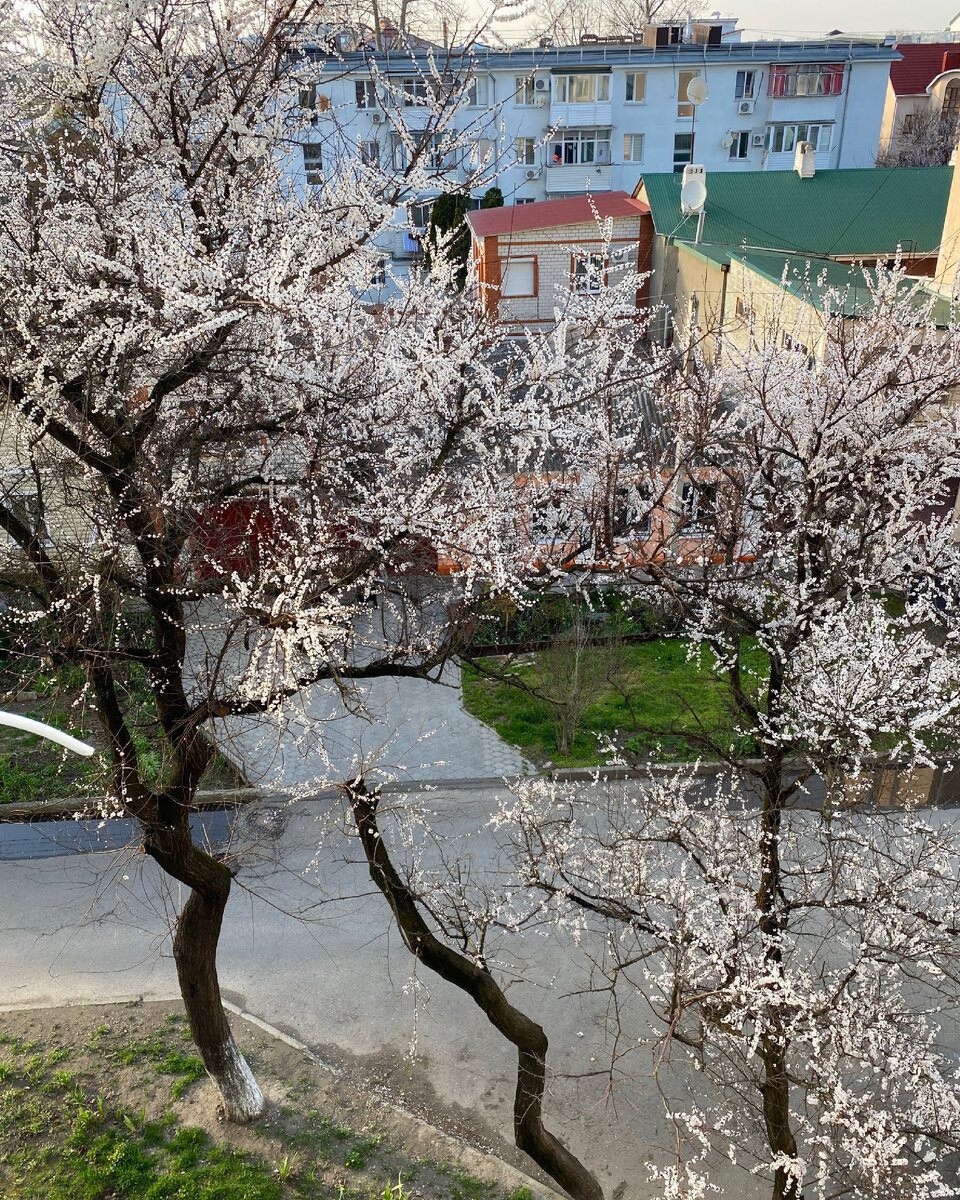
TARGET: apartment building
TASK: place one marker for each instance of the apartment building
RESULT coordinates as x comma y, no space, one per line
563,121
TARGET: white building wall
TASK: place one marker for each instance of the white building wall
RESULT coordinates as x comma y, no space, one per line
854,116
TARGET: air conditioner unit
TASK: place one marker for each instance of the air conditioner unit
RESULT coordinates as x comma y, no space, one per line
377,117
541,85
532,173
758,140
745,107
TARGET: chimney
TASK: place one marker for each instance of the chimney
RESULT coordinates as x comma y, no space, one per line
948,261
805,160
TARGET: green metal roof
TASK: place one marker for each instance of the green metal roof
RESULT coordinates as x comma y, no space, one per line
815,279
862,212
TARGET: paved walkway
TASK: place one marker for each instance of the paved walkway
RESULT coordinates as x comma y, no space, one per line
403,728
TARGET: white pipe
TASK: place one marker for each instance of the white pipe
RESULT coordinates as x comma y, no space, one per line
46,731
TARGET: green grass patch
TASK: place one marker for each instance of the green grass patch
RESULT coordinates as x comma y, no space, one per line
109,1129
664,699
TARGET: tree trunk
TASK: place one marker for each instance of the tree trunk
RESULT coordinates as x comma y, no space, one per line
195,953
774,1045
530,1134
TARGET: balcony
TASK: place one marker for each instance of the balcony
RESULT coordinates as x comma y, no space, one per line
575,180
579,116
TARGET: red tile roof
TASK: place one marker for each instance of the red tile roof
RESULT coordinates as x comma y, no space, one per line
545,214
922,62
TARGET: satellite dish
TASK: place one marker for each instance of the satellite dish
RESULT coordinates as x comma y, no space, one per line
697,90
693,195
727,141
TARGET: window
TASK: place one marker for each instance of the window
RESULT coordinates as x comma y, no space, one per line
526,152
684,79
746,313
526,97
746,82
413,91
581,89
632,511
419,214
434,155
366,93
636,86
379,276
951,103
633,147
578,146
524,200
28,508
801,348
909,123
313,162
481,152
308,96
518,277
682,149
370,153
698,506
782,139
477,91
806,79
741,143
588,274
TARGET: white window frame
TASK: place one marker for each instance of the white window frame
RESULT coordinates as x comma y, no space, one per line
477,92
366,93
418,213
312,162
481,152
589,274
525,94
519,261
697,517
370,153
588,147
563,87
525,149
741,144
631,143
636,93
745,86
822,138
413,91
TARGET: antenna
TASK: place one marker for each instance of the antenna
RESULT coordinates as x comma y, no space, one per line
697,90
693,191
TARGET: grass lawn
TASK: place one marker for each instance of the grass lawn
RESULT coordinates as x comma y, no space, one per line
111,1103
33,768
668,696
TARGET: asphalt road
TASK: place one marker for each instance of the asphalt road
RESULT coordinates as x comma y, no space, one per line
307,945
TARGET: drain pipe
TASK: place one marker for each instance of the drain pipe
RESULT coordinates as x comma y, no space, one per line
725,272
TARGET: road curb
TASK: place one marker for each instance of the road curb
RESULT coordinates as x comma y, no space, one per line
465,1154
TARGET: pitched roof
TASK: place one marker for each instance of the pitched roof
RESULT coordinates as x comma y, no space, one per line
545,214
817,280
921,63
847,213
